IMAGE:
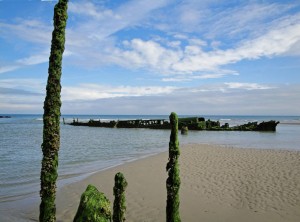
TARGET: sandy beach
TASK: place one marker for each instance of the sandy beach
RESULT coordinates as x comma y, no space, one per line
217,184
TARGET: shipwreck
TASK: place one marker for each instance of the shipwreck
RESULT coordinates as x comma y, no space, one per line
188,123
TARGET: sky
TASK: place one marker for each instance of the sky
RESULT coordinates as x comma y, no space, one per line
208,57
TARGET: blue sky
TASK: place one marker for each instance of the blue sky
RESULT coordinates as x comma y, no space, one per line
155,56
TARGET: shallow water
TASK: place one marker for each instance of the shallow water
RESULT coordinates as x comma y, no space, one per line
86,149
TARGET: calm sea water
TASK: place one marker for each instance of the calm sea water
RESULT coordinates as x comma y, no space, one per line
85,150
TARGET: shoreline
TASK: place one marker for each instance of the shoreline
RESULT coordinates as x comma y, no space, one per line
217,184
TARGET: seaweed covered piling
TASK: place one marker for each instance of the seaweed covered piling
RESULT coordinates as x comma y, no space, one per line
119,202
173,181
51,118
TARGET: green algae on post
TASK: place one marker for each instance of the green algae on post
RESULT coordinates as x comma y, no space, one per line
52,104
173,181
119,202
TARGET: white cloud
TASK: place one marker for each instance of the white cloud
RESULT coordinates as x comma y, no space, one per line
187,78
191,59
27,61
205,100
105,22
220,19
247,86
248,20
90,10
30,85
276,42
33,31
185,56
10,107
93,41
34,59
228,98
8,68
22,95
147,54
93,91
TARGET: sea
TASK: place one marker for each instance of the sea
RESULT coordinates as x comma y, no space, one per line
86,150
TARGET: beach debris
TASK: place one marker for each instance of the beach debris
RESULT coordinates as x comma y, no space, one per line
93,207
119,202
173,180
51,118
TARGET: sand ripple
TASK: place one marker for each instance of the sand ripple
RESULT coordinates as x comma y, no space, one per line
258,180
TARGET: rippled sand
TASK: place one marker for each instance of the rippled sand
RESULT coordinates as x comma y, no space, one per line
217,184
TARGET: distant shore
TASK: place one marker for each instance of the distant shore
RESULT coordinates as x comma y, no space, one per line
217,184
291,123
